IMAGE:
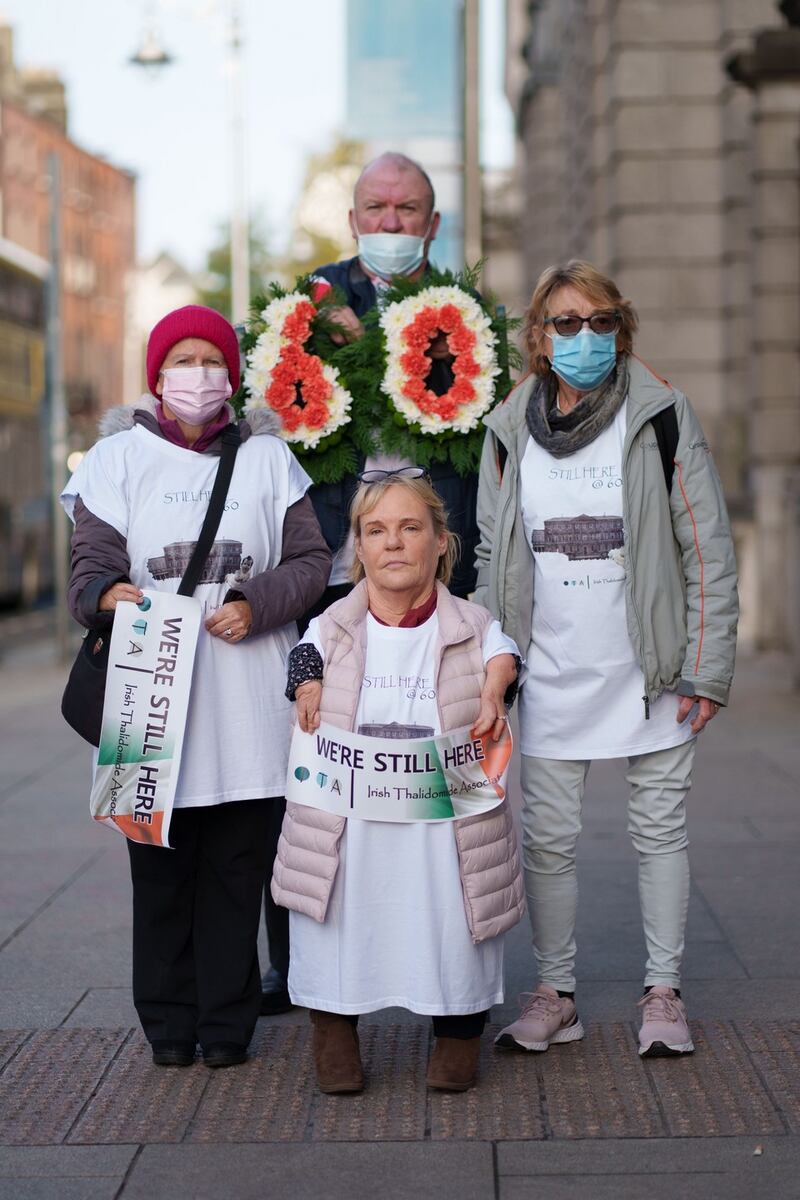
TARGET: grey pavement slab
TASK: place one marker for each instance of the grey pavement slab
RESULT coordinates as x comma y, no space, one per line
63,1172
336,1172
699,1185
58,1162
60,1189
103,1008
634,1169
39,1008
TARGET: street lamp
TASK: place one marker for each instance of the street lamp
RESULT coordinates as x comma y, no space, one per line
152,56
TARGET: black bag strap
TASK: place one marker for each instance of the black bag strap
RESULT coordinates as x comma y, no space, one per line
230,444
665,426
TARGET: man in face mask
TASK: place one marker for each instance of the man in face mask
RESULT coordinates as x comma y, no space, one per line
393,221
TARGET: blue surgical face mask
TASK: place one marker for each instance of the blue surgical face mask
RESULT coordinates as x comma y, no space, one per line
585,360
388,254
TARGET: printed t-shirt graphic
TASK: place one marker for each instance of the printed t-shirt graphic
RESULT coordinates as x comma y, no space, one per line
583,698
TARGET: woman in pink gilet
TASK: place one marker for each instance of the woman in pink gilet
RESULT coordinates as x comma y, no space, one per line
383,913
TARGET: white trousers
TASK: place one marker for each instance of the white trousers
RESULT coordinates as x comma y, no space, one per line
552,796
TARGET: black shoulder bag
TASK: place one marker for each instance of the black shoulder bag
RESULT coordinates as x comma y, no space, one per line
82,702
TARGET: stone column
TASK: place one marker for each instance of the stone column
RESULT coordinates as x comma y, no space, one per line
771,69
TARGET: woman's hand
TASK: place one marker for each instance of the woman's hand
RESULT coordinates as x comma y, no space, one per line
501,671
307,698
707,710
118,592
231,622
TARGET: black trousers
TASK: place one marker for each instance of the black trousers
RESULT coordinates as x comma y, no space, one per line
468,1025
276,918
196,910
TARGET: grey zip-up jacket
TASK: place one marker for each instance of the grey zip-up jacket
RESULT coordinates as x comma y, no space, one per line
680,591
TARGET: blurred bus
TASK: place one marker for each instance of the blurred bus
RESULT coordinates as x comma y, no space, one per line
25,551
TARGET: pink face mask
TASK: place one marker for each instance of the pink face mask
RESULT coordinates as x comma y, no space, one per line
196,394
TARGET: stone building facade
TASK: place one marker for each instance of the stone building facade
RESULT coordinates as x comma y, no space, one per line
654,141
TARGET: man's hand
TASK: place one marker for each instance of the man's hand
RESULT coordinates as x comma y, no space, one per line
346,319
707,710
231,622
501,671
307,697
118,592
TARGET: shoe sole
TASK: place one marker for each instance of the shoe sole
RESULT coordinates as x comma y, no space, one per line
573,1033
341,1091
451,1087
216,1064
171,1060
662,1050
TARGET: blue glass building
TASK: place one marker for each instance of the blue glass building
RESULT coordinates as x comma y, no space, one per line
404,92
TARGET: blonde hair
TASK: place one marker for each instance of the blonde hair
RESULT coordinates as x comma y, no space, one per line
368,496
595,286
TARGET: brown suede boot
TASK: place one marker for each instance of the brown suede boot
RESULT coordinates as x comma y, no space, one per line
454,1064
336,1054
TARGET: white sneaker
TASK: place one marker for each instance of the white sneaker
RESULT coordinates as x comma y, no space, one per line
547,1019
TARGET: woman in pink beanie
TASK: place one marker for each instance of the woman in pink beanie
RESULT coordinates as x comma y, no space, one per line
138,500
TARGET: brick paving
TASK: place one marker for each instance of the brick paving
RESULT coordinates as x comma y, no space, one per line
99,1087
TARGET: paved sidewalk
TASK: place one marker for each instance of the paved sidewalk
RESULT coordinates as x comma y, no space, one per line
83,1113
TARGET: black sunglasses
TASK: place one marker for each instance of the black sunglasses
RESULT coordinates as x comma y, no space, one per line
378,476
598,322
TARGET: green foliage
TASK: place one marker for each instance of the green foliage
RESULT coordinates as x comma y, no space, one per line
216,291
375,424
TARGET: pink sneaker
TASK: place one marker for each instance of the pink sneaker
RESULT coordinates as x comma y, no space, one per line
664,1030
546,1019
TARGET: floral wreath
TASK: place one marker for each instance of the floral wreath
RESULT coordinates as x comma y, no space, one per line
305,392
409,326
341,403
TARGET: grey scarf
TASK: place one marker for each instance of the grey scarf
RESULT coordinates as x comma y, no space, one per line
564,433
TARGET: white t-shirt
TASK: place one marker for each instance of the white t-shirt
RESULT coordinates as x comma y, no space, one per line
396,931
583,696
156,494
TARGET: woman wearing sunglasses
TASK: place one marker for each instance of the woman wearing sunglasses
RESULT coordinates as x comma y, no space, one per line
606,553
384,913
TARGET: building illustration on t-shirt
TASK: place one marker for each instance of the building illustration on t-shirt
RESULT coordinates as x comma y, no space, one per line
579,537
395,730
224,559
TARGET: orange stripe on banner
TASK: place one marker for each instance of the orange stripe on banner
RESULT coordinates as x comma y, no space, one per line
137,831
702,567
496,756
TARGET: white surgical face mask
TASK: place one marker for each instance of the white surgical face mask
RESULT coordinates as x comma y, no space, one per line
388,254
196,394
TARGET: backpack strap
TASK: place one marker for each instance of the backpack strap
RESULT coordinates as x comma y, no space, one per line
665,427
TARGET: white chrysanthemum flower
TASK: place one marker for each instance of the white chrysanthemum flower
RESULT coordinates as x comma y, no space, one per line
264,358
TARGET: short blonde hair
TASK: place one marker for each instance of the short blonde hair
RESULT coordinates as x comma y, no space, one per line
369,494
595,286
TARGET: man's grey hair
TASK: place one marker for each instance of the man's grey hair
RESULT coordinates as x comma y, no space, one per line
403,163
